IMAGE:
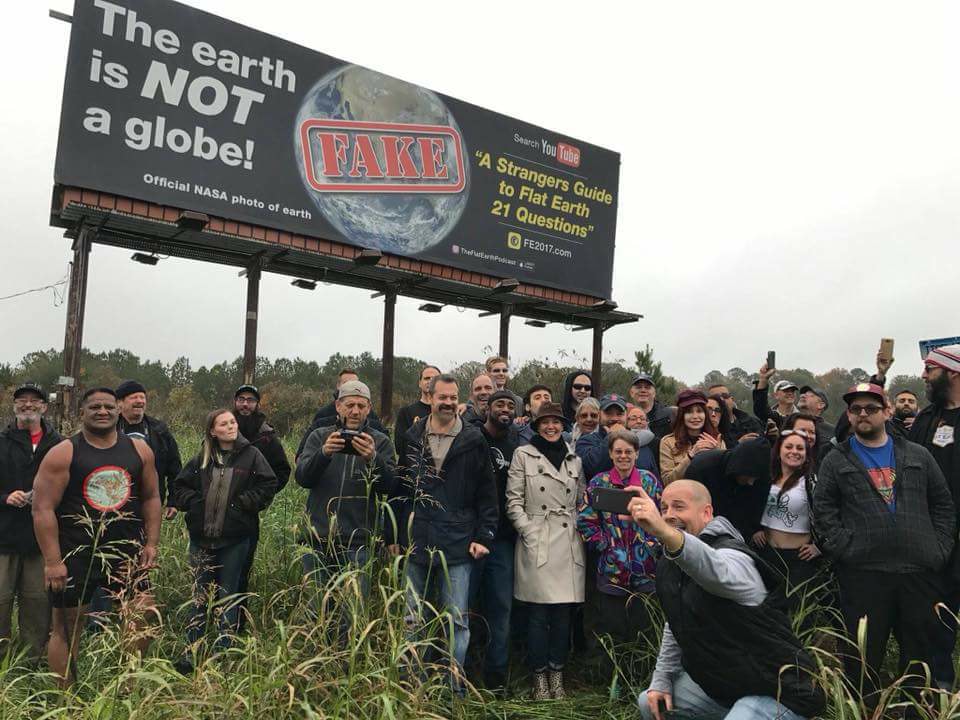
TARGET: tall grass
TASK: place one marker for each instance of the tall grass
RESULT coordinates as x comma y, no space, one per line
289,664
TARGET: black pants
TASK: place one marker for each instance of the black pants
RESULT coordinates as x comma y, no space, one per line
902,603
548,635
626,619
803,586
945,641
245,577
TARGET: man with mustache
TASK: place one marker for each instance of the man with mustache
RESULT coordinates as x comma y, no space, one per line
935,429
724,652
884,515
491,584
448,515
23,445
135,423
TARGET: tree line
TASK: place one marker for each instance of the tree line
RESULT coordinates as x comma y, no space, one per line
292,389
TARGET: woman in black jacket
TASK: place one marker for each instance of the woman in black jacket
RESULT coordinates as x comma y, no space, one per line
221,491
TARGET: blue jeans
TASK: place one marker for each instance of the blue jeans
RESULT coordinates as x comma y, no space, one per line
220,569
323,565
452,590
491,587
690,699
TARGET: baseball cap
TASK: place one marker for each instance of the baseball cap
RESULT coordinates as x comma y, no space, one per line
819,393
353,388
642,377
31,387
784,385
608,401
252,389
864,389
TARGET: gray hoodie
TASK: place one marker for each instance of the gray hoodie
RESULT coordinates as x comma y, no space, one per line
726,573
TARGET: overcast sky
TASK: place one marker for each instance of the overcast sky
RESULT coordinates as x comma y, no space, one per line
790,180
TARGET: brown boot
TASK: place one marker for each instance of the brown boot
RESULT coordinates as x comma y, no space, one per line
541,689
556,685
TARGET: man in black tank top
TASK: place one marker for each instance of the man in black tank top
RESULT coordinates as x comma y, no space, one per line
96,515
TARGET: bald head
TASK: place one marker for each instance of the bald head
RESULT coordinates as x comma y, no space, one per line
480,391
686,505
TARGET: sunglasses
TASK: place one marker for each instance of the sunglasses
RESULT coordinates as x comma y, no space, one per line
799,433
581,386
857,410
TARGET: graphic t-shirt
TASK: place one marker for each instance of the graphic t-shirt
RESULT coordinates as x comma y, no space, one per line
942,445
35,438
137,431
881,467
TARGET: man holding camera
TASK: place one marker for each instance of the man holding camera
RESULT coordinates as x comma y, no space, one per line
346,466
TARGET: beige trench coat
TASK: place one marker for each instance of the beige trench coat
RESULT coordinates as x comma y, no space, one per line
542,505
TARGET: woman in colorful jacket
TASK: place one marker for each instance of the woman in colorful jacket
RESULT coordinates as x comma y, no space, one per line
627,555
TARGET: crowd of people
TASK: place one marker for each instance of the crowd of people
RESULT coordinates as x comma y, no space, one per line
549,516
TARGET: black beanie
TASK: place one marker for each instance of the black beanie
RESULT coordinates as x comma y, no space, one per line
129,387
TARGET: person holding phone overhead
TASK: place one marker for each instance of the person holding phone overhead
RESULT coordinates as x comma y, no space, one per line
627,556
693,432
544,484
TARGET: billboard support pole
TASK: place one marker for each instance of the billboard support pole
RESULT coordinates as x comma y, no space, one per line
250,330
505,314
386,371
73,334
597,358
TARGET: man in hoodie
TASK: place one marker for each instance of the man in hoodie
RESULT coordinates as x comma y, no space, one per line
725,652
738,480
23,445
253,425
349,469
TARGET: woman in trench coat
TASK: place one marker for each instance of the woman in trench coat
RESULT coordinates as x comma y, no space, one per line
544,483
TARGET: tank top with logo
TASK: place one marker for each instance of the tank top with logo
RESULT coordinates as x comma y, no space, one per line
101,499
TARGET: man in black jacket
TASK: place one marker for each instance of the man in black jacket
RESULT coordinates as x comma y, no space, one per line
409,414
883,514
738,481
785,393
644,393
23,445
135,423
448,514
741,423
327,415
935,428
253,425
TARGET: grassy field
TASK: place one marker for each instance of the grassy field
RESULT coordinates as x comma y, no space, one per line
288,666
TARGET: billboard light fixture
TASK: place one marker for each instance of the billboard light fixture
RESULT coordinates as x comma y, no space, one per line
304,284
430,308
536,323
145,259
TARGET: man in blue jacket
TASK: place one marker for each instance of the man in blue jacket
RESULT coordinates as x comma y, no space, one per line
592,447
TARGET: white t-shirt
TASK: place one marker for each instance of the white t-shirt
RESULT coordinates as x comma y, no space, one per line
788,511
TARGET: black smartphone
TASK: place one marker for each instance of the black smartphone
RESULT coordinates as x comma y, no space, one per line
662,707
611,500
772,360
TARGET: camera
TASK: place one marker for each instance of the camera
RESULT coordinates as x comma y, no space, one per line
348,436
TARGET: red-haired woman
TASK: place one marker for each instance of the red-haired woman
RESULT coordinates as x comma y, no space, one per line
693,432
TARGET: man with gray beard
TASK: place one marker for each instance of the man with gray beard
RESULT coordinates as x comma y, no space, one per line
23,445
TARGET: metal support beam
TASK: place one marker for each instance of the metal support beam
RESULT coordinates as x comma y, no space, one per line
386,371
596,367
73,334
250,330
505,314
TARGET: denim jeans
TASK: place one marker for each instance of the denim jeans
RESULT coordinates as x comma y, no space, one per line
690,699
548,635
220,569
491,588
321,565
452,590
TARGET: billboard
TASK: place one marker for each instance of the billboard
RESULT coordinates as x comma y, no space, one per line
168,104
927,345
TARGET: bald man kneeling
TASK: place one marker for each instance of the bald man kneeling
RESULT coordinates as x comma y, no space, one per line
725,653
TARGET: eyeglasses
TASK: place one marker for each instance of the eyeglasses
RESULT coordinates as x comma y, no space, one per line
28,401
726,396
799,433
581,386
713,411
857,410
246,401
